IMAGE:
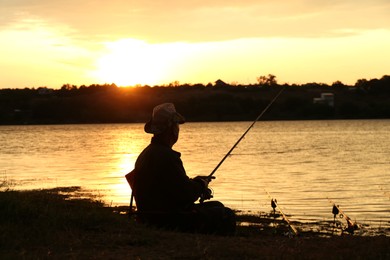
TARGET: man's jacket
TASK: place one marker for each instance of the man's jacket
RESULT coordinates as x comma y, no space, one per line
159,181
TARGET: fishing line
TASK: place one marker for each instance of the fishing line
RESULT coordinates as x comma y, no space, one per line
386,193
249,128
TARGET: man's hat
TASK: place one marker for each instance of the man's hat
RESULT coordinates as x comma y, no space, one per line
163,116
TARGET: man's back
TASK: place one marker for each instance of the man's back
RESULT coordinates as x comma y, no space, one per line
160,181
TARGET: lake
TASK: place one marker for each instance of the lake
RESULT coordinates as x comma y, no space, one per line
302,164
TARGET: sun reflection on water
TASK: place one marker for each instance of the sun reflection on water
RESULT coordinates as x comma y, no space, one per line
119,189
126,148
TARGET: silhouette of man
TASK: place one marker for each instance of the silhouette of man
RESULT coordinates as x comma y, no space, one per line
165,196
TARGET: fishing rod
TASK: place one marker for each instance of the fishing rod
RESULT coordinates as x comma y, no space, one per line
242,137
274,204
351,227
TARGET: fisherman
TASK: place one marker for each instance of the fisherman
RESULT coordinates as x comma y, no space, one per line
165,196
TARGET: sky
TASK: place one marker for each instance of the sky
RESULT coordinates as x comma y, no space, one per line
154,42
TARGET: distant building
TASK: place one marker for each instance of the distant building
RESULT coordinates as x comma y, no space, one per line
221,83
326,98
45,91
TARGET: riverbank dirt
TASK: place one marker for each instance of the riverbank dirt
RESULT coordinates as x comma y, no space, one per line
69,223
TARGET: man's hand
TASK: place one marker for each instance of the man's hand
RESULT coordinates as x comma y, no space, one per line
207,193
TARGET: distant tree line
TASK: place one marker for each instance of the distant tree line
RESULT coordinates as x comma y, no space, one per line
109,103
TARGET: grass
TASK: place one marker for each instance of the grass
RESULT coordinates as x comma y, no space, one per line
57,223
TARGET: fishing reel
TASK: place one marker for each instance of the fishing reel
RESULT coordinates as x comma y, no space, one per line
206,195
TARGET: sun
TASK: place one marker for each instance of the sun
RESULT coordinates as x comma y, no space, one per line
130,62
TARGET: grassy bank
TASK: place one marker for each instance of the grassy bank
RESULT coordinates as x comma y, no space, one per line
68,223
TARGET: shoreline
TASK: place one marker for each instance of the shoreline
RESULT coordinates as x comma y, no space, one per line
54,223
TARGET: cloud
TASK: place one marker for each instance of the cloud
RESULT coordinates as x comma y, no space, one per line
201,20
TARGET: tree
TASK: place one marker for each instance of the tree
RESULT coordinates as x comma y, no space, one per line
68,87
338,84
269,80
175,83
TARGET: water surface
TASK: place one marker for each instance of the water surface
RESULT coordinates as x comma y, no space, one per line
303,164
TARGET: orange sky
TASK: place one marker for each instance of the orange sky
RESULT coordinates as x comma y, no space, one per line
50,43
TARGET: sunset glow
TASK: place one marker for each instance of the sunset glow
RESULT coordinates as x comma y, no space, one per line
131,62
192,42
